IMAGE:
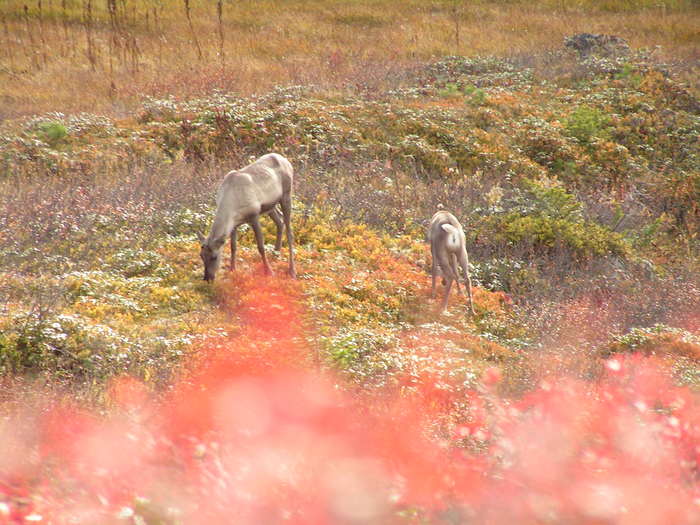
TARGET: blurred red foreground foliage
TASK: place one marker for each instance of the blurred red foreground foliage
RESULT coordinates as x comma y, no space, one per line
254,434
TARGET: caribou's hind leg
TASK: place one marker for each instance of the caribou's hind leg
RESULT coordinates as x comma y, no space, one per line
286,204
433,270
447,293
275,216
255,223
234,243
448,274
454,270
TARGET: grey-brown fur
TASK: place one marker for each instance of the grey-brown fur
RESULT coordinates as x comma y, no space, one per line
449,251
242,197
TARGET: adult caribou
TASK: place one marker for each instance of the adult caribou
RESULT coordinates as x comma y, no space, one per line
242,197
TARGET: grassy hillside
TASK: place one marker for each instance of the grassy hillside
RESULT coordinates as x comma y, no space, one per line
89,55
345,396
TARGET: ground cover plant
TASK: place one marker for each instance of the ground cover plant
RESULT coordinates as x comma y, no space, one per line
344,396
87,55
253,433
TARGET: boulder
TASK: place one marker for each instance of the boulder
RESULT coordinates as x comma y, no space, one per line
587,44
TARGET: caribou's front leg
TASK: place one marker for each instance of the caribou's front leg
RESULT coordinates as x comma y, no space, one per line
234,235
255,223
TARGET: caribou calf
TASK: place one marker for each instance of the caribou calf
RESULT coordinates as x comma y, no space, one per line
242,197
448,248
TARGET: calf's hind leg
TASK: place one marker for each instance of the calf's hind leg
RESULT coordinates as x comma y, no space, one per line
433,271
286,204
447,294
448,274
454,270
464,263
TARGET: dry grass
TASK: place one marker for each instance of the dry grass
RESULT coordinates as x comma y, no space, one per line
74,55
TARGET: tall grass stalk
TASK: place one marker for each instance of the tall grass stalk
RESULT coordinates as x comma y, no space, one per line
192,31
219,14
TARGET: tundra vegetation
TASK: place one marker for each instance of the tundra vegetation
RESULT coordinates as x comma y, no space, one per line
571,395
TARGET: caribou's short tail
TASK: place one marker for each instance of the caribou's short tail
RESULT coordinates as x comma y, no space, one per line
452,237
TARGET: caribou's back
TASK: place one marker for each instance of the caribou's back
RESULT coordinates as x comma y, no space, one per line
272,166
257,187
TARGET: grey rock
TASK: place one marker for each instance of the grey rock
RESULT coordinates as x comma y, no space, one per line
587,44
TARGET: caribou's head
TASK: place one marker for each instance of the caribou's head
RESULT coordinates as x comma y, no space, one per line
210,257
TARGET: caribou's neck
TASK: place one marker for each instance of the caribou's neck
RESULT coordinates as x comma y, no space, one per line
224,223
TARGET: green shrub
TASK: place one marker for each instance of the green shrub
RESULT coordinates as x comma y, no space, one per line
587,123
477,96
554,201
584,239
451,90
53,133
359,352
630,73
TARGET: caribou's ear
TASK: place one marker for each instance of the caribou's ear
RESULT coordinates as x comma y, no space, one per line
201,238
449,229
452,236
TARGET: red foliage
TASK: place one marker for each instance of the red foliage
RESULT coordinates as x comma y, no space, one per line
255,434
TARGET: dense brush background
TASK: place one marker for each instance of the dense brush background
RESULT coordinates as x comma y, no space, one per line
577,179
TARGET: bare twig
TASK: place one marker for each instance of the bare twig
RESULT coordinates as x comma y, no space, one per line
194,34
219,12
87,21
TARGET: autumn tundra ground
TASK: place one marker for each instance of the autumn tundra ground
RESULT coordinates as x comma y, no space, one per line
255,432
134,392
